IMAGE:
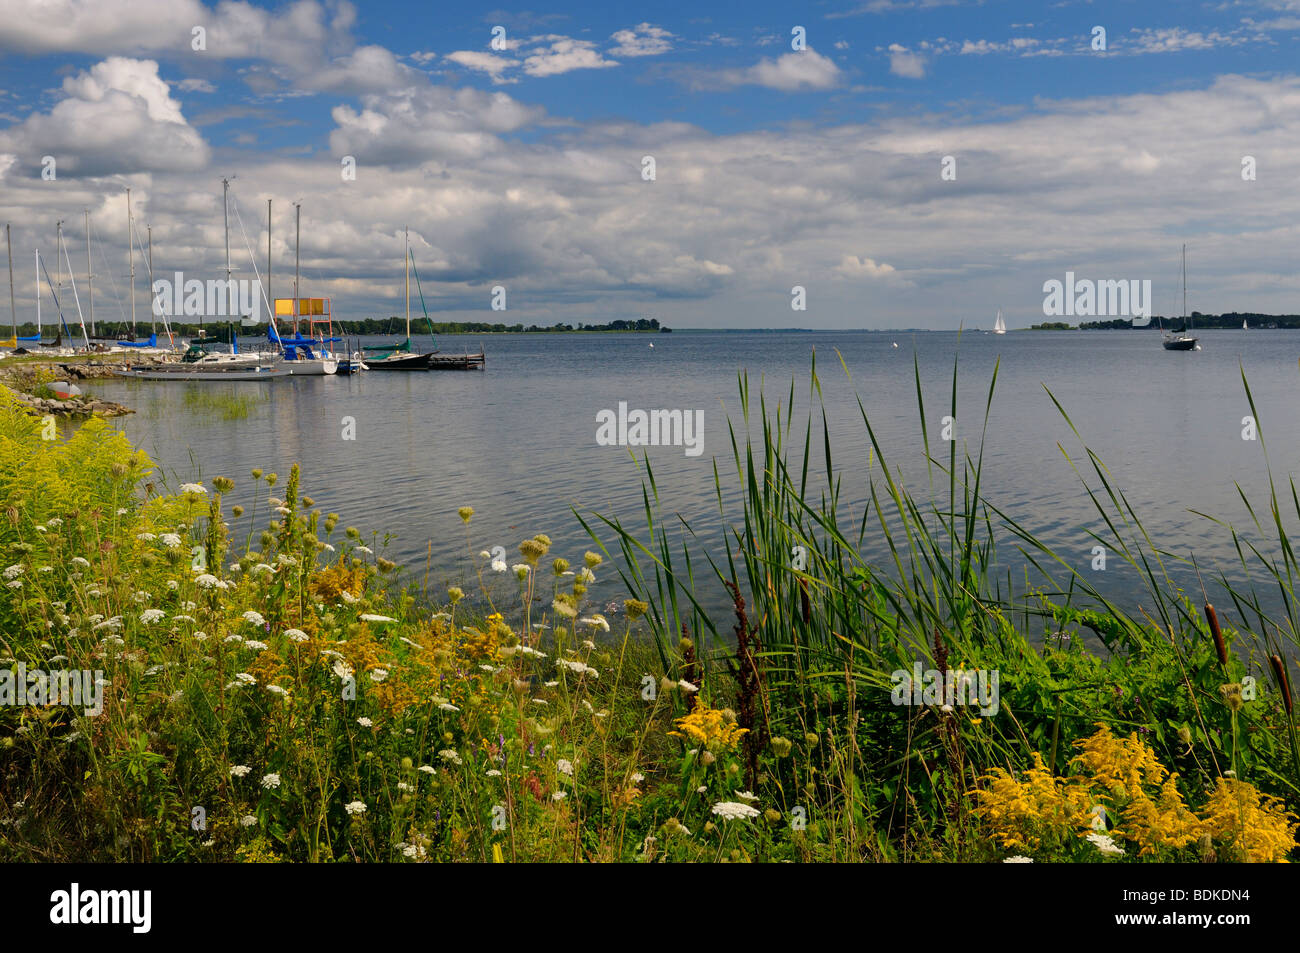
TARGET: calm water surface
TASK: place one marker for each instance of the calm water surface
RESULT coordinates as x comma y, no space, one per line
517,441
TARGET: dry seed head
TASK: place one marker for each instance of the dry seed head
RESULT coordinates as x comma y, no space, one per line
532,551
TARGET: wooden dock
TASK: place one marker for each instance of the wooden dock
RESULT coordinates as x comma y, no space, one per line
457,362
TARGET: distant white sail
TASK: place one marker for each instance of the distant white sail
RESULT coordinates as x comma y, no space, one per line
999,326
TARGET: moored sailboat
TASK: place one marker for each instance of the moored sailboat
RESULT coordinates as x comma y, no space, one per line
400,356
1179,339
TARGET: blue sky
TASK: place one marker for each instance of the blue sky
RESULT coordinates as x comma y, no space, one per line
775,167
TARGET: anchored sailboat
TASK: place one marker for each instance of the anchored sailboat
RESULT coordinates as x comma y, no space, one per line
1178,339
401,357
999,326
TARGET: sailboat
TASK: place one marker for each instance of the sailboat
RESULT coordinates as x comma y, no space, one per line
401,357
1243,325
304,356
1178,339
999,326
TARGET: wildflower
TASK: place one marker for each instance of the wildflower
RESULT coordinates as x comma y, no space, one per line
365,722
80,561
747,795
254,617
521,571
245,679
1018,859
366,550
255,645
171,540
465,512
532,550
687,687
206,581
150,616
428,769
342,669
370,617
564,605
270,781
13,572
592,559
450,756
1258,825
559,796
484,554
710,727
494,773
637,777
248,820
455,594
144,537
499,565
355,808
378,674
448,706
239,770
347,597
1105,844
195,488
731,810
579,668
278,690
564,766
635,608
295,635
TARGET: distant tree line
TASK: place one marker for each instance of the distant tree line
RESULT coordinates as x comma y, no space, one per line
1230,319
392,325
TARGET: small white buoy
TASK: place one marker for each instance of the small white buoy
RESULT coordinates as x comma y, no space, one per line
652,345
895,344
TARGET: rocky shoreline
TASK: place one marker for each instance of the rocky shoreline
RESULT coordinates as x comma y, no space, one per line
83,406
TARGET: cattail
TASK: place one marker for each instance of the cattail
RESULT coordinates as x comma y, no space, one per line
1283,680
805,602
1213,618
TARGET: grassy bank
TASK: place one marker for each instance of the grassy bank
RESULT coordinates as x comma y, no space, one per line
292,697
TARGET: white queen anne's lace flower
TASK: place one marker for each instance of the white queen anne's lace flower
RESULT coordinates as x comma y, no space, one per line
193,488
150,616
270,781
239,770
732,810
254,617
355,808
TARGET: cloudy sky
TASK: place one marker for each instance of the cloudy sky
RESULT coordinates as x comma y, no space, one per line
513,143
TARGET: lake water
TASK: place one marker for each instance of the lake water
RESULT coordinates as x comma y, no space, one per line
517,441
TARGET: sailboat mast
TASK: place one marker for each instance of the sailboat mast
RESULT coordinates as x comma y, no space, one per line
269,297
12,307
297,246
90,277
153,323
406,233
38,293
1184,281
